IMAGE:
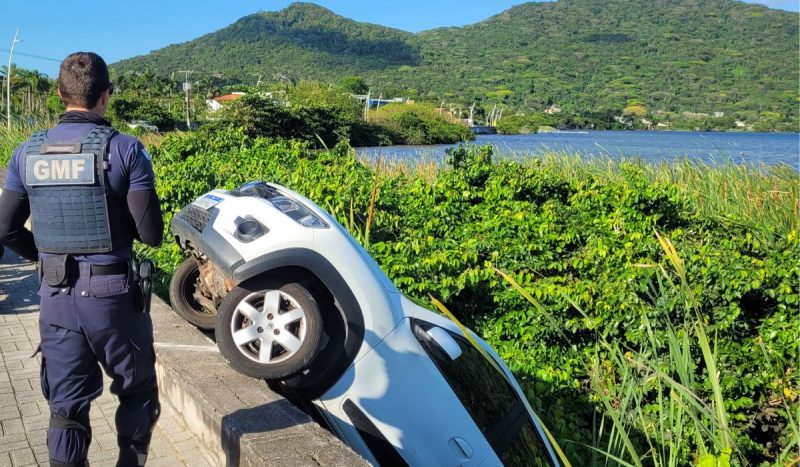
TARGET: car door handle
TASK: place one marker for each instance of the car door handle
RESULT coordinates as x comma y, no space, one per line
461,448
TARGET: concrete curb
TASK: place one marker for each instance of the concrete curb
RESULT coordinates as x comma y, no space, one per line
237,420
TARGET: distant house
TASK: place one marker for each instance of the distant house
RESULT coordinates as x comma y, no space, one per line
553,109
719,114
220,101
379,102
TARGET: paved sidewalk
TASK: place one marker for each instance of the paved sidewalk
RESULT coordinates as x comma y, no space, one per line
24,414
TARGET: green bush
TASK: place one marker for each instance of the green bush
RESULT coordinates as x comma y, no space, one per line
325,117
516,124
124,110
419,124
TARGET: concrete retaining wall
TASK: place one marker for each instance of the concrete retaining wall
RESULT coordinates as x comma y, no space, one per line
237,420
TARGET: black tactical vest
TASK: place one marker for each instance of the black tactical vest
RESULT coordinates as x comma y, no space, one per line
72,208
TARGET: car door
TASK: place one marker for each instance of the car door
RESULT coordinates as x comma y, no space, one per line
394,407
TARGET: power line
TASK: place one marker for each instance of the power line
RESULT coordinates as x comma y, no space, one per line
16,52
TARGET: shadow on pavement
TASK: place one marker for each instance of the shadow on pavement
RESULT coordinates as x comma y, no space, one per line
18,284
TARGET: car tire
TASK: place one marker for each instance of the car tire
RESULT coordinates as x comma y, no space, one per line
182,288
261,312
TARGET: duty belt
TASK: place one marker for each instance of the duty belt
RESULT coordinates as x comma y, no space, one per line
60,270
110,269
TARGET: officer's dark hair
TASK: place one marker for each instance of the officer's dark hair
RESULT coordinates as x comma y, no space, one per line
82,78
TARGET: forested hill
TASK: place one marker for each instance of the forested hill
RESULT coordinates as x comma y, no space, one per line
674,55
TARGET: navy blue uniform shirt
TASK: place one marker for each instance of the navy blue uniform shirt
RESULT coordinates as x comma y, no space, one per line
129,170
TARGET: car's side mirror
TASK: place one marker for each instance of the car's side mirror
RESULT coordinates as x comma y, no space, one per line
445,342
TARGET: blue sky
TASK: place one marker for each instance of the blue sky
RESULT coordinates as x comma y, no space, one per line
118,29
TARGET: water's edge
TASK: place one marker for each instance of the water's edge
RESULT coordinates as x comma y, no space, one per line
653,146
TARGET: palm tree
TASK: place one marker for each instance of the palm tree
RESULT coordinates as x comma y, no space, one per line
36,85
149,78
121,82
138,83
20,81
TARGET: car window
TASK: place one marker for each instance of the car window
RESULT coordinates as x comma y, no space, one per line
489,399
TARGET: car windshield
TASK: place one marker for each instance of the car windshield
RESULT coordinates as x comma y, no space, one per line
490,400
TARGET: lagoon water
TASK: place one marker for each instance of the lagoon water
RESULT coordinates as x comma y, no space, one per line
654,146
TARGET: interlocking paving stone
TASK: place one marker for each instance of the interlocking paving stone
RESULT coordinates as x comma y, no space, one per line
24,415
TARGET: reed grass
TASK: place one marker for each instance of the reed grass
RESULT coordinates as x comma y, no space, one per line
661,405
633,431
762,197
766,198
20,131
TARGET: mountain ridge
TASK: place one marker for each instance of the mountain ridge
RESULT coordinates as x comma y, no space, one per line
683,55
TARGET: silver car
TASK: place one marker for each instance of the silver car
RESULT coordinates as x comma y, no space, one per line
293,298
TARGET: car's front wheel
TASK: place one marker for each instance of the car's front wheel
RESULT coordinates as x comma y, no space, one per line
267,329
185,295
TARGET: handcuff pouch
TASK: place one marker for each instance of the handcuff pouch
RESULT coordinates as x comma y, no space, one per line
55,270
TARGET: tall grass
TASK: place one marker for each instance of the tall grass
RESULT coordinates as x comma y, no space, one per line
18,133
757,196
661,404
762,197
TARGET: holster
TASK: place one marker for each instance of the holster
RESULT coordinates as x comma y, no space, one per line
56,271
143,274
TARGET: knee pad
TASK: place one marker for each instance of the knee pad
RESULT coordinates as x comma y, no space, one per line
79,422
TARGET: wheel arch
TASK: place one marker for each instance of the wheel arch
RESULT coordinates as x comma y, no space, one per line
345,338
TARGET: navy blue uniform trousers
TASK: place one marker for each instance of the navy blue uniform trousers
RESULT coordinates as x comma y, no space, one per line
91,324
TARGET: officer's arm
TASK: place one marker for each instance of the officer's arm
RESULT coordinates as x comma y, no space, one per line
146,211
142,199
14,211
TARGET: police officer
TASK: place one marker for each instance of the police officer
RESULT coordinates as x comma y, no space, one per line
89,191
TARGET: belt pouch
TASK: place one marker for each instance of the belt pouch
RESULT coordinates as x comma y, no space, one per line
56,269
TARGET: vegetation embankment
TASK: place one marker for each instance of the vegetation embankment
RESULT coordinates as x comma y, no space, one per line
625,347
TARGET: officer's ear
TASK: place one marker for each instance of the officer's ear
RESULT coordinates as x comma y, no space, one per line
104,98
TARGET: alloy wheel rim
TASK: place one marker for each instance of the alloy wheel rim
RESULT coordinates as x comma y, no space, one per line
268,327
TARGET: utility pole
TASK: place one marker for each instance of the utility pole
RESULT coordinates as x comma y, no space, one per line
470,121
366,107
186,87
8,80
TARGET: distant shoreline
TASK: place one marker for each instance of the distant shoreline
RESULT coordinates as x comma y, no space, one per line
656,146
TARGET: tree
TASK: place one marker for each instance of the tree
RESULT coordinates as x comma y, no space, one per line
354,84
